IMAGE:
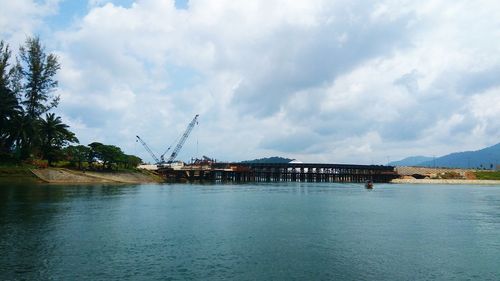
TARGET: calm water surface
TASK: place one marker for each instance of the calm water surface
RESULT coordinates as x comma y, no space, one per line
249,232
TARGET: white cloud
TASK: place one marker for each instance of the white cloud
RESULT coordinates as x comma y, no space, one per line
342,81
23,17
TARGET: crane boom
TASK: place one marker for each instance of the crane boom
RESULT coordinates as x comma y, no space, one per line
148,150
183,139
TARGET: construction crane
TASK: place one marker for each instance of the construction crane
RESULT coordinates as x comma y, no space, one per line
178,147
157,161
182,140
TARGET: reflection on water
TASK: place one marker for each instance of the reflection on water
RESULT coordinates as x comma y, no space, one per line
277,231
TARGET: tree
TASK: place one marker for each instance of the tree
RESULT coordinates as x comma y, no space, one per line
111,155
54,135
131,161
26,93
22,129
5,74
37,72
77,154
9,110
94,153
33,77
9,106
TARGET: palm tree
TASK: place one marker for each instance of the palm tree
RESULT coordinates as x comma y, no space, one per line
22,129
53,136
9,104
9,110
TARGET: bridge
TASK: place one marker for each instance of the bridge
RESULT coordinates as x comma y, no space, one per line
279,172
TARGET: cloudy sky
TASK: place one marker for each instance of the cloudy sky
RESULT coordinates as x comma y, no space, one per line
318,80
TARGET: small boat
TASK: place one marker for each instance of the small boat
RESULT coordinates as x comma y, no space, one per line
369,184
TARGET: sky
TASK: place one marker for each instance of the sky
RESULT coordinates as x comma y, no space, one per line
344,81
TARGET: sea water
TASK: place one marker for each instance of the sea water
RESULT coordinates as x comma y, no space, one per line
276,231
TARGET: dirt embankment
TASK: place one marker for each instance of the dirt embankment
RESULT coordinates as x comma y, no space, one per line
446,181
53,175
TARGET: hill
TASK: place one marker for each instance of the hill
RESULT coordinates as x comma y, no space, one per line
486,158
411,161
268,160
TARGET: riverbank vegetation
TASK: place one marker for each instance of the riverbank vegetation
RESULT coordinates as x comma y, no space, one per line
487,175
98,156
30,134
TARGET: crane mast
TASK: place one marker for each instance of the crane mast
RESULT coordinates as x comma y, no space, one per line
148,150
177,148
183,139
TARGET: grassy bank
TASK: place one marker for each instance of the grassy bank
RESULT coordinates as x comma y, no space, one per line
17,173
446,181
488,175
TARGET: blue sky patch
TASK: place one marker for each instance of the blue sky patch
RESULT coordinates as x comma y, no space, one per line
181,78
181,4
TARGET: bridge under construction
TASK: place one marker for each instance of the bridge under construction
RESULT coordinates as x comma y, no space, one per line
210,171
278,172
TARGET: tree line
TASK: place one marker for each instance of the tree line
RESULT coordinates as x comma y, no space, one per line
100,156
29,132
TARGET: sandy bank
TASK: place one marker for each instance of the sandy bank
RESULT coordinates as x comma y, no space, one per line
53,175
442,181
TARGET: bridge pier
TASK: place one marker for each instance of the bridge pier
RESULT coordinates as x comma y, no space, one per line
289,172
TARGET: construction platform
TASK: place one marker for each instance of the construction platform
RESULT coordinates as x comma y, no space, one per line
282,172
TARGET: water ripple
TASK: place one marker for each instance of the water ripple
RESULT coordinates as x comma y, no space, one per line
283,231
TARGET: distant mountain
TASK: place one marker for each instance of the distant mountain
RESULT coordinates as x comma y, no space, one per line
486,158
269,160
411,161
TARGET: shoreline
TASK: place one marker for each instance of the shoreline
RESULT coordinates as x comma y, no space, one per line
445,181
69,176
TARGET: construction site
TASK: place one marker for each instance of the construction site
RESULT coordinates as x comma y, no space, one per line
208,169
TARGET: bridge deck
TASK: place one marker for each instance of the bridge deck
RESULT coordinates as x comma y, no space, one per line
281,172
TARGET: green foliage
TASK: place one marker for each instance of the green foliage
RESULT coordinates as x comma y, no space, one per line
9,111
33,77
77,155
131,161
487,175
26,94
23,129
36,77
9,105
16,173
109,154
274,159
5,54
54,135
101,156
9,171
